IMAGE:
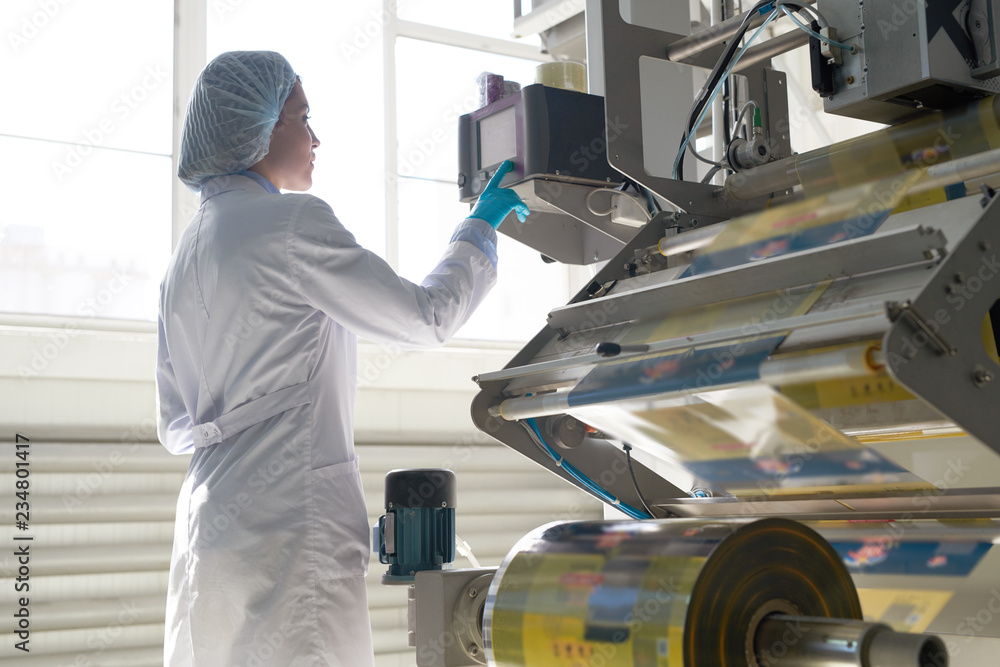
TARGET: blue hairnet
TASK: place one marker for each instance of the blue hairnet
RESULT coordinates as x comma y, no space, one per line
233,108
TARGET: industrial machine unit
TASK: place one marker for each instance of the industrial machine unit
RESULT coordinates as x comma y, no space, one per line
784,370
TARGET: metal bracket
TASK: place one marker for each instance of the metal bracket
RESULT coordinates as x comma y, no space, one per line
982,25
935,347
623,108
905,310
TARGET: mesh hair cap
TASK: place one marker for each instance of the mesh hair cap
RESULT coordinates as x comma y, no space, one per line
234,105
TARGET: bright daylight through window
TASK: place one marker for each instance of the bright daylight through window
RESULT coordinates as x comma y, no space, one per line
87,231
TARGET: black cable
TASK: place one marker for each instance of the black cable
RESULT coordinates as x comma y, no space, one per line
720,67
628,459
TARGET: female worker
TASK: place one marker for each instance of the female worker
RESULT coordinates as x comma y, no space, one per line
259,313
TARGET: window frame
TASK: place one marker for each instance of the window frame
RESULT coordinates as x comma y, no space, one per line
189,57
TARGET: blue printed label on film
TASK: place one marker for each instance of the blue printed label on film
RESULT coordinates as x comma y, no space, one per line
932,559
672,372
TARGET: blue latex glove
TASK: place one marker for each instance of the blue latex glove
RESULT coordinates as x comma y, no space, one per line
496,202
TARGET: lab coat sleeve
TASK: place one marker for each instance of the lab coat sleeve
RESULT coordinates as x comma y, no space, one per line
359,290
173,424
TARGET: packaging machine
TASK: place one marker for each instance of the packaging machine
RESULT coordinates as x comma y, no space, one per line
784,370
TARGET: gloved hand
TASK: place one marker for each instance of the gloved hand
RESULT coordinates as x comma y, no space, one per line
496,202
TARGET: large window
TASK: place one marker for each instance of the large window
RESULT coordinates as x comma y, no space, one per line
337,50
87,141
435,84
85,136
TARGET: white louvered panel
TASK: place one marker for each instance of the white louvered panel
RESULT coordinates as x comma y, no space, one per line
86,641
102,519
390,641
70,486
92,559
132,657
102,522
388,617
69,614
400,659
126,507
124,585
81,534
86,458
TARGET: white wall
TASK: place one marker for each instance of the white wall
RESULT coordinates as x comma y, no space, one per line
64,379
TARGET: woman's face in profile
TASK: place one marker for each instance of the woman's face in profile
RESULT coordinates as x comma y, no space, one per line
289,160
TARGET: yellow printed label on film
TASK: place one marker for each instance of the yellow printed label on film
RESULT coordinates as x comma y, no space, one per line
747,422
877,388
874,153
989,339
903,610
859,200
921,199
749,314
988,122
564,610
881,487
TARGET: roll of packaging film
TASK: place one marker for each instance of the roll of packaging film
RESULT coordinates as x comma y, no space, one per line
929,140
565,74
493,87
676,593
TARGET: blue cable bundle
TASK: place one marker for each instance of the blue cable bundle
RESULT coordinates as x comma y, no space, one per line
585,481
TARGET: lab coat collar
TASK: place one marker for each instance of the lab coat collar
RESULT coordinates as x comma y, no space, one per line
221,184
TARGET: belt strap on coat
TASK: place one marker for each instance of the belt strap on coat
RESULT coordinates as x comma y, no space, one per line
250,414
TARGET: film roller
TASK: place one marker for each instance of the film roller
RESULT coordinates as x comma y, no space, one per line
685,593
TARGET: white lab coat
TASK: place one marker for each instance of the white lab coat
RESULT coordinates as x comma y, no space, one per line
256,375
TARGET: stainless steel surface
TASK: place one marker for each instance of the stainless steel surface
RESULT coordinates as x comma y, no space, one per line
898,264
834,365
447,613
571,199
762,180
703,40
911,60
821,319
954,302
783,43
563,237
623,105
857,256
688,241
949,504
782,174
783,640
